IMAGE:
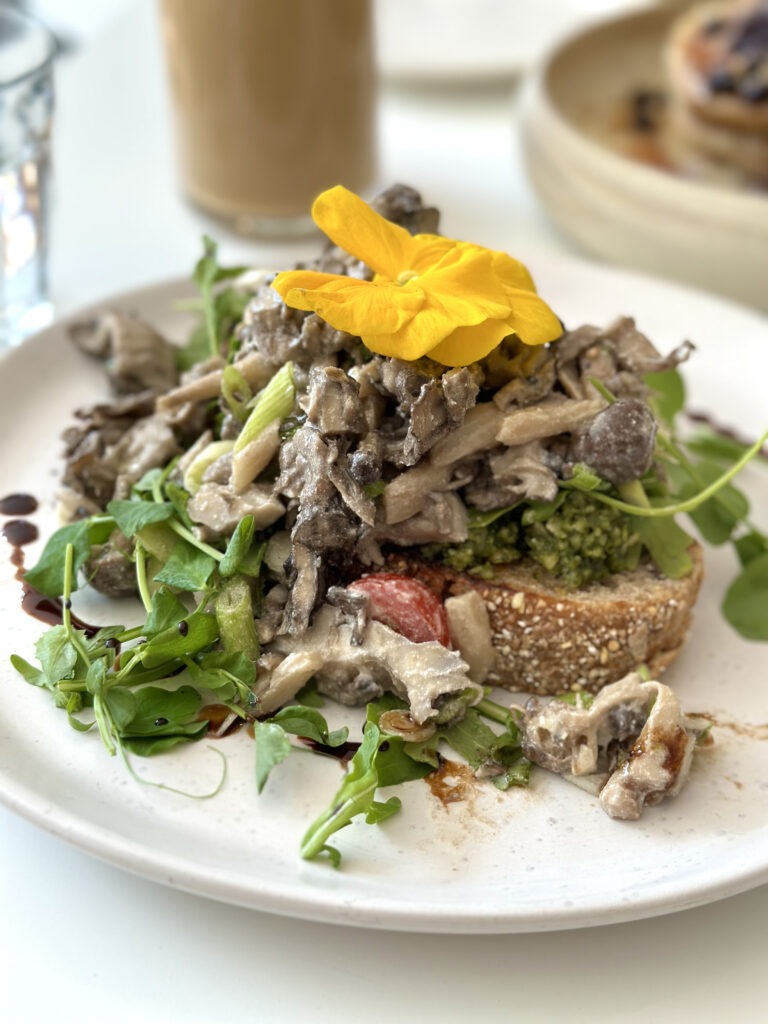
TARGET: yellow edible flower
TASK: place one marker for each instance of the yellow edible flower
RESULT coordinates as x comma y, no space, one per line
430,296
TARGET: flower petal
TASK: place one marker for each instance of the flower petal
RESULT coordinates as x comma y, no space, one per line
410,342
428,251
300,281
511,272
532,320
463,284
351,223
466,345
349,304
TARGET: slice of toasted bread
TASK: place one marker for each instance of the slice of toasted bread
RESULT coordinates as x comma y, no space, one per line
549,640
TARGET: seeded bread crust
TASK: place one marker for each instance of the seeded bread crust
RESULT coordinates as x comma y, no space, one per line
550,640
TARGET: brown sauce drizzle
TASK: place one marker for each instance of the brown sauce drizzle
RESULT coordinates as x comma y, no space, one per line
726,432
50,609
343,753
749,730
451,782
19,532
18,505
216,715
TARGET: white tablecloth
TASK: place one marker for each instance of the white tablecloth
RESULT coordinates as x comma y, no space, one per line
80,940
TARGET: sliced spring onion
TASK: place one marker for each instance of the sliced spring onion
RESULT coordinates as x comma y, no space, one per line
274,402
193,475
250,461
236,392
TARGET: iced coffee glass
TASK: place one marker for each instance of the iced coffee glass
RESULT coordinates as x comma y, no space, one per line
27,51
273,101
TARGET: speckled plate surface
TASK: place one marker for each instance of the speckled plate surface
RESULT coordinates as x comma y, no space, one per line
526,860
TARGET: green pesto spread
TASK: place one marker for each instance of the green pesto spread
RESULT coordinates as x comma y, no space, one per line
577,539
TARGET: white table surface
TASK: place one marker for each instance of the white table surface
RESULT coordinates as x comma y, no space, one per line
81,940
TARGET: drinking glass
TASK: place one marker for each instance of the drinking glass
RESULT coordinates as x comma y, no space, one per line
27,50
272,102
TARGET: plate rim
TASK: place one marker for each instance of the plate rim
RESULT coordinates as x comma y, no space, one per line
139,857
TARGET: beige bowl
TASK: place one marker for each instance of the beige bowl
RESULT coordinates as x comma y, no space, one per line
621,209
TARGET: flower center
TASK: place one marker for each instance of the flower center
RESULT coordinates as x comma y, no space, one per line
406,276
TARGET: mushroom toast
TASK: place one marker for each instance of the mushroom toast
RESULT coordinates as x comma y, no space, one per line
395,479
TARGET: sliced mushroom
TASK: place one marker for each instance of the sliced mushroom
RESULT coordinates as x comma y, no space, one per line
477,433
136,356
208,386
217,507
443,520
408,493
546,419
643,715
470,628
420,674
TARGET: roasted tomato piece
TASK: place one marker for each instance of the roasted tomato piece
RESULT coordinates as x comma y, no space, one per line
405,605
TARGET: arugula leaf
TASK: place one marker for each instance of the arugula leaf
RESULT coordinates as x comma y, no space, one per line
271,736
188,568
199,632
166,611
396,765
121,704
47,575
238,547
34,676
206,274
745,605
396,762
309,723
131,516
668,389
355,796
272,747
378,812
483,748
750,545
57,655
157,711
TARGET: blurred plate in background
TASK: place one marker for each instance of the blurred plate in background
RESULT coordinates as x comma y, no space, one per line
634,211
426,40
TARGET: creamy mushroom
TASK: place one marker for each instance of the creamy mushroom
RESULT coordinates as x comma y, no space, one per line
634,732
420,674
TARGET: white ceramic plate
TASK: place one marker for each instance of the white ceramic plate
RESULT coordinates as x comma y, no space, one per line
471,40
526,860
